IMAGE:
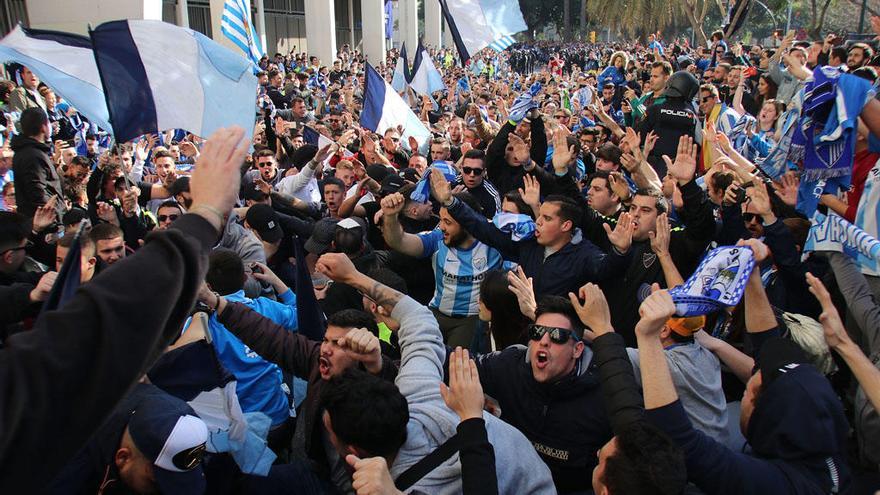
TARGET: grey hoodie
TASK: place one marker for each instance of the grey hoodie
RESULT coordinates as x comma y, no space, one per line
517,465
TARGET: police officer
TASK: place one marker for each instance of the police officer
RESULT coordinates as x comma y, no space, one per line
671,119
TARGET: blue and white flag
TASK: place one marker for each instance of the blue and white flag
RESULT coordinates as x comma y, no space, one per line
502,43
425,79
402,75
159,76
474,24
64,62
385,109
236,25
833,233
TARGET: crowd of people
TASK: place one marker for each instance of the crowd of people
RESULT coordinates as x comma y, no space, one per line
496,309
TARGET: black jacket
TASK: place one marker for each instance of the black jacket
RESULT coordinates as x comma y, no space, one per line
36,179
558,274
79,361
503,176
669,120
565,421
686,245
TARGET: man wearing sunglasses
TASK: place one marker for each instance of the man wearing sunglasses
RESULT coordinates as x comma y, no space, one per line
549,392
473,179
168,212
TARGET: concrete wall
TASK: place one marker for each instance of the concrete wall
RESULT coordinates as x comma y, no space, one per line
75,15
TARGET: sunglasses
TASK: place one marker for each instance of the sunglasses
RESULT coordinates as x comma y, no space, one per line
707,99
557,335
750,217
471,171
563,116
163,218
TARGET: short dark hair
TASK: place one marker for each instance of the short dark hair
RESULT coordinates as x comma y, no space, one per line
516,198
601,174
86,244
81,161
366,412
720,181
105,231
170,203
646,462
263,152
162,154
562,306
660,200
666,66
333,181
353,318
569,210
470,200
839,53
225,271
14,228
475,155
32,121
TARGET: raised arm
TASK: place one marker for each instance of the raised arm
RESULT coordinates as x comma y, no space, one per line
392,231
838,339
421,343
86,355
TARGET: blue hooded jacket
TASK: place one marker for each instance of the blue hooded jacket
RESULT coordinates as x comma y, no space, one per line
797,434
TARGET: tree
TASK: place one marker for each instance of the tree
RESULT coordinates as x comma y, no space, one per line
818,10
566,19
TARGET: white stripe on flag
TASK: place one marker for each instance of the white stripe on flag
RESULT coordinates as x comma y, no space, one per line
235,25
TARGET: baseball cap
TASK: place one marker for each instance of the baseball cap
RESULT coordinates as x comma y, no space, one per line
264,220
391,184
378,172
322,236
410,175
686,327
170,434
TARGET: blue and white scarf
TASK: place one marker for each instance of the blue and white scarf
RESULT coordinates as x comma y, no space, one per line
519,226
422,192
719,282
833,233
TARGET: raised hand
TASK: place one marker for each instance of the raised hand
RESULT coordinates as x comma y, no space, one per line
45,215
660,237
622,235
655,310
392,204
760,250
325,153
619,185
685,164
440,187
524,290
759,199
563,154
650,141
593,312
835,333
363,346
188,149
214,185
44,287
518,149
464,395
336,266
531,192
787,190
107,213
263,273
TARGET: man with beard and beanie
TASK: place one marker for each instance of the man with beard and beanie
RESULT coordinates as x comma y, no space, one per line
152,443
671,119
790,415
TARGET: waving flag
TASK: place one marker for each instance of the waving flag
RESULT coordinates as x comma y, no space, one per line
159,76
502,43
475,24
236,25
63,61
385,109
425,77
402,75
